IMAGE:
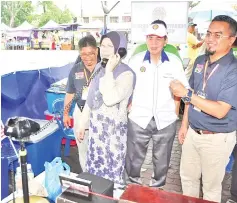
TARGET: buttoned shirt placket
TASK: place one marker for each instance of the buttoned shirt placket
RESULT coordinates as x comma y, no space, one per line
156,93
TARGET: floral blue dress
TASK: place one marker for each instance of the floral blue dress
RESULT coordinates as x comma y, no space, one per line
108,142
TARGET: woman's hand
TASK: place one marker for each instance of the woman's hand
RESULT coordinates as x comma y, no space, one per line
112,63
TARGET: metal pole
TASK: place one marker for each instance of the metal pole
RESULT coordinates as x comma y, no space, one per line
114,6
24,174
105,23
106,12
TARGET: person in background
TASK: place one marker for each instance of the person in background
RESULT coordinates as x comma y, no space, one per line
193,47
32,39
208,130
78,81
40,39
56,40
233,189
106,111
154,109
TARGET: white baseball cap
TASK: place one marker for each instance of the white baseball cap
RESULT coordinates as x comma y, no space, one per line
156,29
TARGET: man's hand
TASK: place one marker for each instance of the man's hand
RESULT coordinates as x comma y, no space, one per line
80,135
182,134
178,88
112,63
67,121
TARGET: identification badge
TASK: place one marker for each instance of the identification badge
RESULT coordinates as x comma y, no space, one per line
202,95
79,75
199,68
84,93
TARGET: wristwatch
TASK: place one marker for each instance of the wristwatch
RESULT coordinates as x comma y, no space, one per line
188,96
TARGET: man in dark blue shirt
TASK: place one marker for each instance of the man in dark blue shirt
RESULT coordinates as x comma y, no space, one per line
233,189
77,88
208,130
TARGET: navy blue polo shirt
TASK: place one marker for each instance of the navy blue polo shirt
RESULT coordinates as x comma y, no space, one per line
221,86
76,81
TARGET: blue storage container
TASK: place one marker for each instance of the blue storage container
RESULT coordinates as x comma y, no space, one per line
4,178
54,93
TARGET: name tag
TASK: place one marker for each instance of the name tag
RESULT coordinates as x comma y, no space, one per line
199,68
85,93
79,75
168,75
202,95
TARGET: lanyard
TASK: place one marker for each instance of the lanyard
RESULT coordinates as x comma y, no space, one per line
88,80
204,77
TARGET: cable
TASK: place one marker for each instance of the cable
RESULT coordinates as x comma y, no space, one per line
76,97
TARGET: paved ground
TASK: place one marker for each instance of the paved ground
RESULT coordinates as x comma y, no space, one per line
173,183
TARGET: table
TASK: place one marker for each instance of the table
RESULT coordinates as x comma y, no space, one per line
142,194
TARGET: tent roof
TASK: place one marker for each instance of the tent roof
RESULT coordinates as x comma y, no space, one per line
23,27
51,25
4,27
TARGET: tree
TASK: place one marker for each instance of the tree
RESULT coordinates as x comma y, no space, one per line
14,13
52,12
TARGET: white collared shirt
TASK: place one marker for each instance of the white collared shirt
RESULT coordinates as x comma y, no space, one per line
152,95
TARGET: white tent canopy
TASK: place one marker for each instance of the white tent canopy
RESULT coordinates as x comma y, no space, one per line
4,27
23,27
51,25
24,30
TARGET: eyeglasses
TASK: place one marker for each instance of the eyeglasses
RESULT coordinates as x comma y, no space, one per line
216,35
84,55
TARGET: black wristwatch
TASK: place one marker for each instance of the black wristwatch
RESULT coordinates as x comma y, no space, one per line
187,98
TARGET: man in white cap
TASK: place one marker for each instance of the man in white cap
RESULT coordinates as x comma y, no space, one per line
154,109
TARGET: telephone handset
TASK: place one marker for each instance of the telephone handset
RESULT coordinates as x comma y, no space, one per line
122,53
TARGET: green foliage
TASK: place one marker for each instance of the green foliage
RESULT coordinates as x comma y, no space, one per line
14,13
52,12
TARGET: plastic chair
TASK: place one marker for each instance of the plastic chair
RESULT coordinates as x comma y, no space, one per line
68,134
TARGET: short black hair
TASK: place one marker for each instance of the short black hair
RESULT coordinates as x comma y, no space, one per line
87,41
159,22
232,23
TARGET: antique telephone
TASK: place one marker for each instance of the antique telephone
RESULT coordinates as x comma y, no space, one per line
21,129
122,53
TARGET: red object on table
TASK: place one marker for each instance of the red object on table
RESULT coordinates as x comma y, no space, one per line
49,116
141,194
